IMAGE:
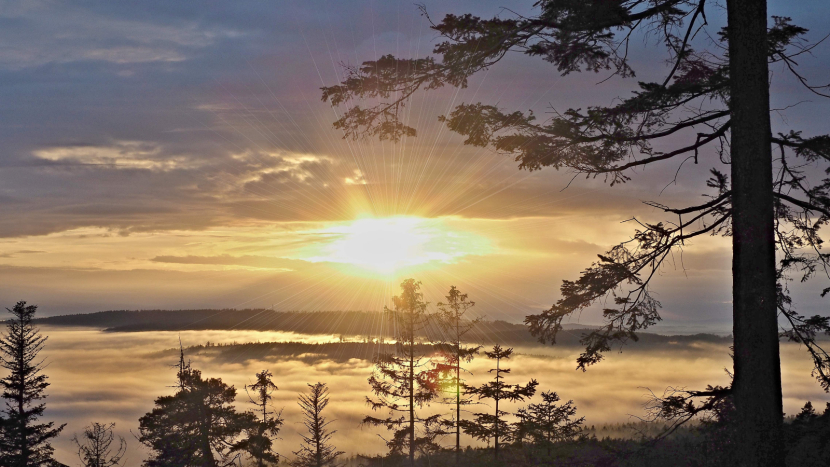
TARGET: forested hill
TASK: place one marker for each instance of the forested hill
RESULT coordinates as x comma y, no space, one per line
347,323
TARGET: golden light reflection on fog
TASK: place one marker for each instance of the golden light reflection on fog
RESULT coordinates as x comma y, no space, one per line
99,376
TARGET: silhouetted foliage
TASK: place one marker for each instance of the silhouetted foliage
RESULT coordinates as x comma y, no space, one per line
96,446
317,450
195,427
718,99
259,444
25,442
548,423
808,438
493,426
403,382
454,327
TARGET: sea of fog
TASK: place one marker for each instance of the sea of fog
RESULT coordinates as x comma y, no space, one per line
97,376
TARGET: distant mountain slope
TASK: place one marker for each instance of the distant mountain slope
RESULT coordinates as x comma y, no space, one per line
348,323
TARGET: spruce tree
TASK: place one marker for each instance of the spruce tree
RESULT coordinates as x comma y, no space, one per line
547,423
317,450
259,444
403,382
454,326
487,426
26,443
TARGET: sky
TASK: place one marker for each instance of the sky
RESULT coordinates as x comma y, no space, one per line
158,155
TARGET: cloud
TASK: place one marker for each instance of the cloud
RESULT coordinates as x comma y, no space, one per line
356,179
57,34
120,155
20,252
228,260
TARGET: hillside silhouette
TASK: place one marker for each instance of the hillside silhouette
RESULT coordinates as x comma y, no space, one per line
367,325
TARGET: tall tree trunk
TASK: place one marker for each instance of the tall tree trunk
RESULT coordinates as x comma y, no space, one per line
318,435
412,401
757,384
260,461
496,437
457,401
204,439
21,408
496,430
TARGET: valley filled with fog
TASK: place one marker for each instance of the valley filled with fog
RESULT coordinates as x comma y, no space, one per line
114,377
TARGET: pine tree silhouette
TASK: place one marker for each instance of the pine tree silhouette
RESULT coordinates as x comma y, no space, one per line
259,444
317,450
487,426
403,382
26,443
454,326
547,423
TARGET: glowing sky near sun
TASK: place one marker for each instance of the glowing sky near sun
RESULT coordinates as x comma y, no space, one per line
386,245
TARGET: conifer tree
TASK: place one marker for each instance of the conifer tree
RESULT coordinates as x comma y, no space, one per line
26,443
197,426
454,326
493,426
317,450
403,382
521,428
548,422
259,444
96,448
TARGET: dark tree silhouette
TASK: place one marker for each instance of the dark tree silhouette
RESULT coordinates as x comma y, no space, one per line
548,423
716,99
259,444
96,446
404,382
454,327
493,426
808,437
197,426
25,442
317,450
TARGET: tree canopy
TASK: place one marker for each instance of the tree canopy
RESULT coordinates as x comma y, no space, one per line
197,426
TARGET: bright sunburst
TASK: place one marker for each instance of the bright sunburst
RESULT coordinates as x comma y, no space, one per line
388,244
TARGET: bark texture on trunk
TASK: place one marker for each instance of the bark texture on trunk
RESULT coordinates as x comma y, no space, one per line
757,384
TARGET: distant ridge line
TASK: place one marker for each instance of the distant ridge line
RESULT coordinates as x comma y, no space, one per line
348,323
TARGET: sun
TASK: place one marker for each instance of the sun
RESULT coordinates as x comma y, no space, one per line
386,245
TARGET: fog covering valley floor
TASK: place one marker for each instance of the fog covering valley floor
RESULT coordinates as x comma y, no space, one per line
100,373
